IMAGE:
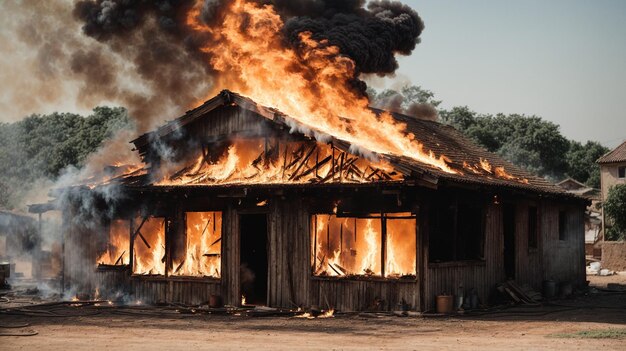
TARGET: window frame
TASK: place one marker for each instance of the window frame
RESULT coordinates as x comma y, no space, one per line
168,248
169,219
383,216
621,172
454,205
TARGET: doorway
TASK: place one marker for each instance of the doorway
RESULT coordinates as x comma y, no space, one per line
253,264
509,240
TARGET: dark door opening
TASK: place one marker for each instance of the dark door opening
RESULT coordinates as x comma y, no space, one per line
253,258
509,241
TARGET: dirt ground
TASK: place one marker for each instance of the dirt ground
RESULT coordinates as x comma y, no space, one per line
90,327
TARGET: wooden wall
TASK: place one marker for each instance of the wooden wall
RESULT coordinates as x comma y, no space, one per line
188,292
79,253
290,281
445,278
563,260
558,260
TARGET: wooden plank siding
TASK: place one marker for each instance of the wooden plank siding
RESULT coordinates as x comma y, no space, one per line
559,260
528,261
290,280
445,278
230,257
563,260
161,290
290,246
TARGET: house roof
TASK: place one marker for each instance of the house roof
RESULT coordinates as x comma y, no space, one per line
616,155
439,138
571,184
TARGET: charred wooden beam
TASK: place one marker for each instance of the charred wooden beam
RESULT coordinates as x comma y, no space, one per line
205,227
284,161
216,241
297,155
259,159
334,269
120,258
144,240
304,160
316,168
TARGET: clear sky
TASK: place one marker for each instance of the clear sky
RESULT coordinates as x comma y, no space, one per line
562,60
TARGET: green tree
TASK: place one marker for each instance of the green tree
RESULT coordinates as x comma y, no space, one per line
581,162
527,141
615,209
41,146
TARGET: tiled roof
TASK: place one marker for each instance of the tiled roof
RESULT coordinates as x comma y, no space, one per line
616,155
436,137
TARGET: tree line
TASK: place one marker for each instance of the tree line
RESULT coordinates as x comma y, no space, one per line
40,147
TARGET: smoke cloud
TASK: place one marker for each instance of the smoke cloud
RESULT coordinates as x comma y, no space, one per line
141,53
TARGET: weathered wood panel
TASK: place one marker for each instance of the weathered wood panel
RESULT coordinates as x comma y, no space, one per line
529,260
230,257
230,121
446,278
289,258
80,253
113,283
360,295
291,281
564,260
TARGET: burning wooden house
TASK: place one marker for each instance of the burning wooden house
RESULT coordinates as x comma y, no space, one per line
252,203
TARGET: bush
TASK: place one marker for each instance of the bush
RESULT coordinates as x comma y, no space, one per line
615,211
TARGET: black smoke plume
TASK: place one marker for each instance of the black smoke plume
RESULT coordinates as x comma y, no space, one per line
152,35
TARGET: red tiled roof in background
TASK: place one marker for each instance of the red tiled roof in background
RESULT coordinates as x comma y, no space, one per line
616,155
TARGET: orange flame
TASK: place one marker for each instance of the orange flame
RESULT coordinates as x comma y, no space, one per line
117,252
309,84
247,161
352,246
484,166
202,256
149,254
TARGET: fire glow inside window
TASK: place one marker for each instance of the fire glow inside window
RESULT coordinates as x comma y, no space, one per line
373,246
201,254
149,246
118,244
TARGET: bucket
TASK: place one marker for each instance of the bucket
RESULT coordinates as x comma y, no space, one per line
549,289
215,301
444,304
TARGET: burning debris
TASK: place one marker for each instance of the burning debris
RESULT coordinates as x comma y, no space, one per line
279,163
202,256
374,246
117,245
149,247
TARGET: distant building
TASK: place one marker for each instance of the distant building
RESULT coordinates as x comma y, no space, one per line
612,172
